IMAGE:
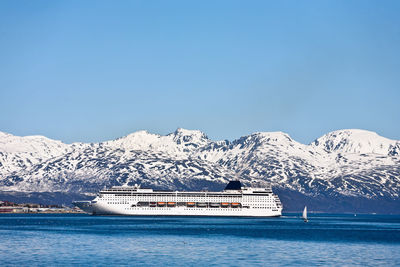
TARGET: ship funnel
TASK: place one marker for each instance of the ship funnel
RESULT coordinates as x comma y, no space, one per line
233,185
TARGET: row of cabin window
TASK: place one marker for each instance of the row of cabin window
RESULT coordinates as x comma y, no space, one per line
202,199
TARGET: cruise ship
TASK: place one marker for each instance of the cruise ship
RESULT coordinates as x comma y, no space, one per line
234,200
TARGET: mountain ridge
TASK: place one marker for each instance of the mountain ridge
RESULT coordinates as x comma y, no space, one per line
348,163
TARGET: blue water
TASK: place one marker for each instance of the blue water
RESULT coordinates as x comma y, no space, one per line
334,240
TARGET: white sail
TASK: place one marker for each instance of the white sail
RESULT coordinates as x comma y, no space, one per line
305,213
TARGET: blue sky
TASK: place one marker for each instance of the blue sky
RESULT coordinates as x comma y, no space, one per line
97,70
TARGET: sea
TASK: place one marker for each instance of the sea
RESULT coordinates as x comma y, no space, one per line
84,240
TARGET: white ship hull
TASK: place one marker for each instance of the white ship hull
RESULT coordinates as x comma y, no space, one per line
105,209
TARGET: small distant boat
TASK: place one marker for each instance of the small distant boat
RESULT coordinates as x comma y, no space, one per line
305,214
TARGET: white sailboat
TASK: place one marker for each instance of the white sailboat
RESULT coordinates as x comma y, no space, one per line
305,214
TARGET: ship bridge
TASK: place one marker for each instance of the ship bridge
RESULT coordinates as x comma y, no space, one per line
237,186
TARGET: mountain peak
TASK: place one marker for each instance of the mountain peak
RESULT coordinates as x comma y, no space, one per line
354,141
273,136
194,138
139,140
4,134
140,134
186,132
171,143
34,145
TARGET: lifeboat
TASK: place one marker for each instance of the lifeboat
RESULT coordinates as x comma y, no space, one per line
153,204
190,204
201,204
235,205
224,205
161,204
214,205
171,204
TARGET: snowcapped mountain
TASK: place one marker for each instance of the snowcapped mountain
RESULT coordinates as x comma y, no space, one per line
345,164
178,143
19,153
354,141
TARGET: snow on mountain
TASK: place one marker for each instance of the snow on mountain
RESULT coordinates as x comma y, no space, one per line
341,163
394,149
19,153
37,146
354,141
179,142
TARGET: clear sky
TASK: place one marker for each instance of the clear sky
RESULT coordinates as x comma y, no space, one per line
96,70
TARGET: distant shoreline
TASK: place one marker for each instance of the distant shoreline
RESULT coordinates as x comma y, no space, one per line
45,212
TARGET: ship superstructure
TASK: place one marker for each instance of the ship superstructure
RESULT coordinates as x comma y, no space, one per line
235,200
